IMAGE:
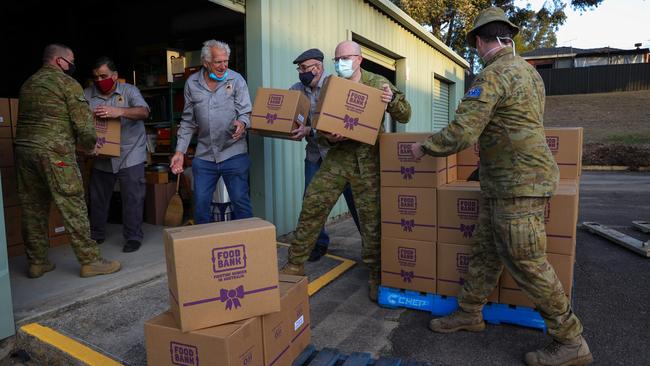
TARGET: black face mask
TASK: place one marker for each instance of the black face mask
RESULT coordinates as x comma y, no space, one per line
306,78
71,67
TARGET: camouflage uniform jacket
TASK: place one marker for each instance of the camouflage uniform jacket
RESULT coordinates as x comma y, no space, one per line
399,109
53,114
504,111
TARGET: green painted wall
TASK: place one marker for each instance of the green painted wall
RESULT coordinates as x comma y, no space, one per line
276,32
6,307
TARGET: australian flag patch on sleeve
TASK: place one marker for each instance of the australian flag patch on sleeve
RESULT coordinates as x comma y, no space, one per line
475,92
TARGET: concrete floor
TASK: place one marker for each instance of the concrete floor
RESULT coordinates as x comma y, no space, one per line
611,296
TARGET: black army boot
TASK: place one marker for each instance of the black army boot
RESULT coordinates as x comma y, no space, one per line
575,353
37,270
458,320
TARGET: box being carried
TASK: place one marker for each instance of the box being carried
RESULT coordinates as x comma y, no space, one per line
222,272
108,136
400,169
277,112
350,109
565,144
234,344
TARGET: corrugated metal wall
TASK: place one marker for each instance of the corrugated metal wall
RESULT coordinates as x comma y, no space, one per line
282,29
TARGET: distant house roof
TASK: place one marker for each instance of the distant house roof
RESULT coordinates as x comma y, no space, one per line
557,52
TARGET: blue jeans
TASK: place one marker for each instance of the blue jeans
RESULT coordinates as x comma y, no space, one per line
235,176
310,170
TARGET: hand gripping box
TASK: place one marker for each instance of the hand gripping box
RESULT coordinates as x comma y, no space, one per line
350,109
277,112
233,344
408,213
408,264
453,267
108,136
458,211
286,333
221,272
400,169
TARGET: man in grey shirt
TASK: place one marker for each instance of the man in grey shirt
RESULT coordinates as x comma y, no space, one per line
110,98
312,76
218,106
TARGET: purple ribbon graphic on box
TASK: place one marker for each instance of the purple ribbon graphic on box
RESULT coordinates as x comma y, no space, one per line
350,122
407,225
407,172
101,141
407,276
467,230
271,117
231,297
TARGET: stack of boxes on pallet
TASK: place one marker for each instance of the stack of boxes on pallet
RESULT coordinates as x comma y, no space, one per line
228,306
57,234
430,216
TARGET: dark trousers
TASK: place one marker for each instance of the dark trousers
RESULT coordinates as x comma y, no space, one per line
132,189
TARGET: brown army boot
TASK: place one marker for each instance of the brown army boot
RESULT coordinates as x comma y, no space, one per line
99,267
293,269
373,289
458,320
575,353
37,270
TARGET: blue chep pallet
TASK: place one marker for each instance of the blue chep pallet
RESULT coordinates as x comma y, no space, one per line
444,305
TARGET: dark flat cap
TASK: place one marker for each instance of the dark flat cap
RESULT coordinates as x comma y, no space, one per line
311,54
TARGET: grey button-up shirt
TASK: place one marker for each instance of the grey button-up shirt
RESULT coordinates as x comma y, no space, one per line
314,151
213,113
133,138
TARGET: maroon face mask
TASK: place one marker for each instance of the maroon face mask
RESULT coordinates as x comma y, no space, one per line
105,85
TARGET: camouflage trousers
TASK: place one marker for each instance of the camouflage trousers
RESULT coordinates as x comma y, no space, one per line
511,232
44,177
346,163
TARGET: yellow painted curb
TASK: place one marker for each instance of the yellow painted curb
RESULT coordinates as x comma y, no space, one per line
68,345
330,276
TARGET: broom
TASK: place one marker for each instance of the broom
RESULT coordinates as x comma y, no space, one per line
174,212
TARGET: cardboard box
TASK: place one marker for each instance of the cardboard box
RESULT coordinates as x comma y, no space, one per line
409,213
566,145
234,344
13,225
5,119
221,272
408,264
453,266
285,334
156,201
467,161
350,109
59,240
108,136
6,152
458,212
452,168
56,225
156,177
510,293
400,169
9,187
561,218
277,112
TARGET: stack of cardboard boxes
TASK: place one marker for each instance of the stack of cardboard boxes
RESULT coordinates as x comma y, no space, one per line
429,224
228,306
57,234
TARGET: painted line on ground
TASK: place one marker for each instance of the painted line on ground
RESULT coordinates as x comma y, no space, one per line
68,345
331,275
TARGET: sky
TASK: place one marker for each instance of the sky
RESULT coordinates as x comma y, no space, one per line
615,23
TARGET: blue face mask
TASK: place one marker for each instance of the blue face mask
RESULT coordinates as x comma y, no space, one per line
344,68
213,76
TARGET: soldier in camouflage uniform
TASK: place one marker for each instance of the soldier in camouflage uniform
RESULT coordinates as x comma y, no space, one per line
346,162
504,110
53,117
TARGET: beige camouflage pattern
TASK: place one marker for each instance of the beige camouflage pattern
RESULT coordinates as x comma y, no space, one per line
355,163
504,111
53,117
511,232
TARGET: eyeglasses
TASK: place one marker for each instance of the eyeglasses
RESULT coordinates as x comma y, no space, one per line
344,57
305,68
64,59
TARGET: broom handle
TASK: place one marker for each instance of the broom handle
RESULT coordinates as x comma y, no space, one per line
178,182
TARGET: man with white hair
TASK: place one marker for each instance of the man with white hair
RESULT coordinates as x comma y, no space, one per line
218,105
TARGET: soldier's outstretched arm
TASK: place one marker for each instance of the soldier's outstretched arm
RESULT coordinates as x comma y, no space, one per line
81,116
399,109
472,115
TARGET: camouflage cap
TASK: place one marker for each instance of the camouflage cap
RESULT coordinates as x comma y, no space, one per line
486,16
